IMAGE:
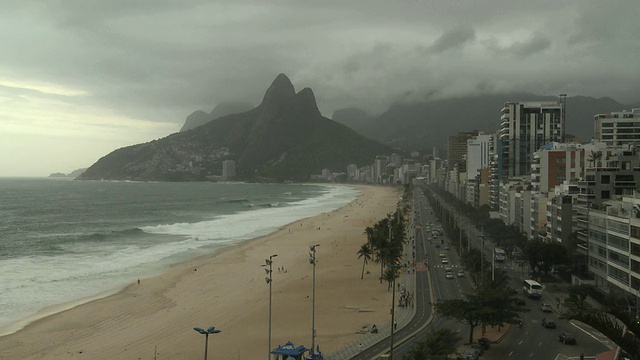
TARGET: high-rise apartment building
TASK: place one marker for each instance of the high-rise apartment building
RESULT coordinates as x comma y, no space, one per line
524,128
228,170
617,128
457,149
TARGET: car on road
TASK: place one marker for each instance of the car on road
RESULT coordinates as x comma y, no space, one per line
460,273
442,254
546,307
446,247
448,268
444,260
449,275
567,338
548,323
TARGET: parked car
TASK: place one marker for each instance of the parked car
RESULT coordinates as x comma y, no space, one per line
477,347
471,354
546,307
484,342
567,338
548,323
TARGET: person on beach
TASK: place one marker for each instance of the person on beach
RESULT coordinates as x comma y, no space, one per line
138,281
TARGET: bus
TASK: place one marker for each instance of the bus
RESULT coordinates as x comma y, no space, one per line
499,255
532,289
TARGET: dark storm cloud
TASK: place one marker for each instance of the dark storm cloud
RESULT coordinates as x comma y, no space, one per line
535,44
161,60
453,39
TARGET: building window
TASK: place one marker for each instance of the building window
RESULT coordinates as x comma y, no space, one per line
607,124
635,233
618,274
605,179
618,227
601,238
618,242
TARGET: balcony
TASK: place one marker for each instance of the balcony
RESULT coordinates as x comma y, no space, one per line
626,184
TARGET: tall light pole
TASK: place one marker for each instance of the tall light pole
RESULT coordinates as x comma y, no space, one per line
269,280
395,268
312,261
482,252
206,333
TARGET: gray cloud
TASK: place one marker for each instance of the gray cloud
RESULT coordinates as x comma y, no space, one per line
454,38
535,44
161,60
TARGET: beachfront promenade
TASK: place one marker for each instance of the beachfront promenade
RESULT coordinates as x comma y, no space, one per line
368,345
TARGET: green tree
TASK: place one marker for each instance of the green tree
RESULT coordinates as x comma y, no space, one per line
468,311
579,293
441,343
366,254
437,345
544,255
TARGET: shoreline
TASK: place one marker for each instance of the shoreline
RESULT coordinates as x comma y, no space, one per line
227,290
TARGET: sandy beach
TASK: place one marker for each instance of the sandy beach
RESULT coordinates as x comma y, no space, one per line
228,290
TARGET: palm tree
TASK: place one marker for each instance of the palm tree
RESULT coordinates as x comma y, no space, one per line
437,345
389,275
594,157
441,343
366,254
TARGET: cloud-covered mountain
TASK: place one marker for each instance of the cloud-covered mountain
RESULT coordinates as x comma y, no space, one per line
420,126
283,138
199,118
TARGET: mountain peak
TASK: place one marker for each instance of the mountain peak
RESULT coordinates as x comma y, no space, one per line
306,101
280,90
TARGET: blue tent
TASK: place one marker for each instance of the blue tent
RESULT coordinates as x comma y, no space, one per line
290,350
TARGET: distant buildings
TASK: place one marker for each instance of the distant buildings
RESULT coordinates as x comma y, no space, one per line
228,170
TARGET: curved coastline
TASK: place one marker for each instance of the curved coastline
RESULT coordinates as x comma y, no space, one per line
226,281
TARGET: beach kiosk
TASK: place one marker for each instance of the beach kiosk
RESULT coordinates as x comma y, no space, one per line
289,351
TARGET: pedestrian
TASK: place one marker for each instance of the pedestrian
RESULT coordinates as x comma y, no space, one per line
360,347
395,324
581,356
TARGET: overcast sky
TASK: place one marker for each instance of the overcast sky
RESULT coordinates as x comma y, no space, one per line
81,78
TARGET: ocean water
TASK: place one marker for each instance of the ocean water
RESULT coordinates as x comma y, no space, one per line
66,242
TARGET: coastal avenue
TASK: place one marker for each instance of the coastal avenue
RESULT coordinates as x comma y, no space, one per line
531,341
443,288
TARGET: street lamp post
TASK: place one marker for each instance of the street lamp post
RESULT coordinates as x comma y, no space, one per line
312,261
482,252
395,268
269,280
206,333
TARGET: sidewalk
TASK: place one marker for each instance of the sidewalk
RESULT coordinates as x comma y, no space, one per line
403,316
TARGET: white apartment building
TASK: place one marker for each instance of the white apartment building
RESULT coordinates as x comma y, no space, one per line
617,128
228,170
478,155
614,246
